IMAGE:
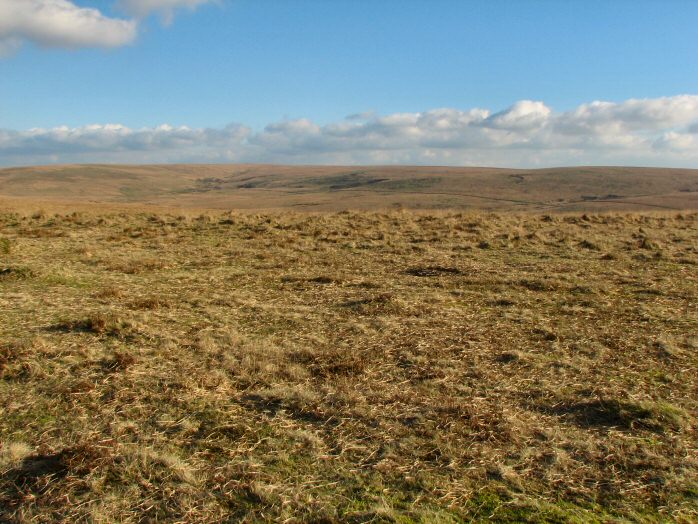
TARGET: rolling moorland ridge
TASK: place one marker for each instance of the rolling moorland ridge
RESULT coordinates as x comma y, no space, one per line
160,361
324,188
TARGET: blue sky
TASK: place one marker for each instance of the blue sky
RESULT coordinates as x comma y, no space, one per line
256,63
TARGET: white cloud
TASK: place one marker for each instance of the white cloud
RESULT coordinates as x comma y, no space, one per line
118,141
525,114
59,23
660,131
630,116
63,24
672,140
166,8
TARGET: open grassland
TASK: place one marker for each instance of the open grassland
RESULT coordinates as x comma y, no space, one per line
356,367
337,188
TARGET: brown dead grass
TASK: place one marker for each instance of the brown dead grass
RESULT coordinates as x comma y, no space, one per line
397,366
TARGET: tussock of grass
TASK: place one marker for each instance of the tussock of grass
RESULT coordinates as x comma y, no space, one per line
349,367
110,292
120,361
150,302
107,324
12,453
133,267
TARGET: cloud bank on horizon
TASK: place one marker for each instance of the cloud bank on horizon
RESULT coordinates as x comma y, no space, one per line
658,131
63,24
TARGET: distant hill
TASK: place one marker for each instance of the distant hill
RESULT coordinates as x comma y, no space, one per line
327,188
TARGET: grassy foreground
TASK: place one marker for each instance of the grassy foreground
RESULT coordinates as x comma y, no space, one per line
358,367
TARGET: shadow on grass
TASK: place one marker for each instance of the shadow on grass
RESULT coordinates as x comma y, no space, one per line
432,271
618,414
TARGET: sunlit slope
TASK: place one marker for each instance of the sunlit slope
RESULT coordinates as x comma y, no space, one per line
339,187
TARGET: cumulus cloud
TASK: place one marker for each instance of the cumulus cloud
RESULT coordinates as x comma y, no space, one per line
525,114
166,8
630,116
59,23
63,24
660,131
672,140
120,143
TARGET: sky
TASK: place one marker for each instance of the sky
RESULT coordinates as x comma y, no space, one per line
519,83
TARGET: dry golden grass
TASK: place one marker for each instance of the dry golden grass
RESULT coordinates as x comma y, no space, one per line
356,367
